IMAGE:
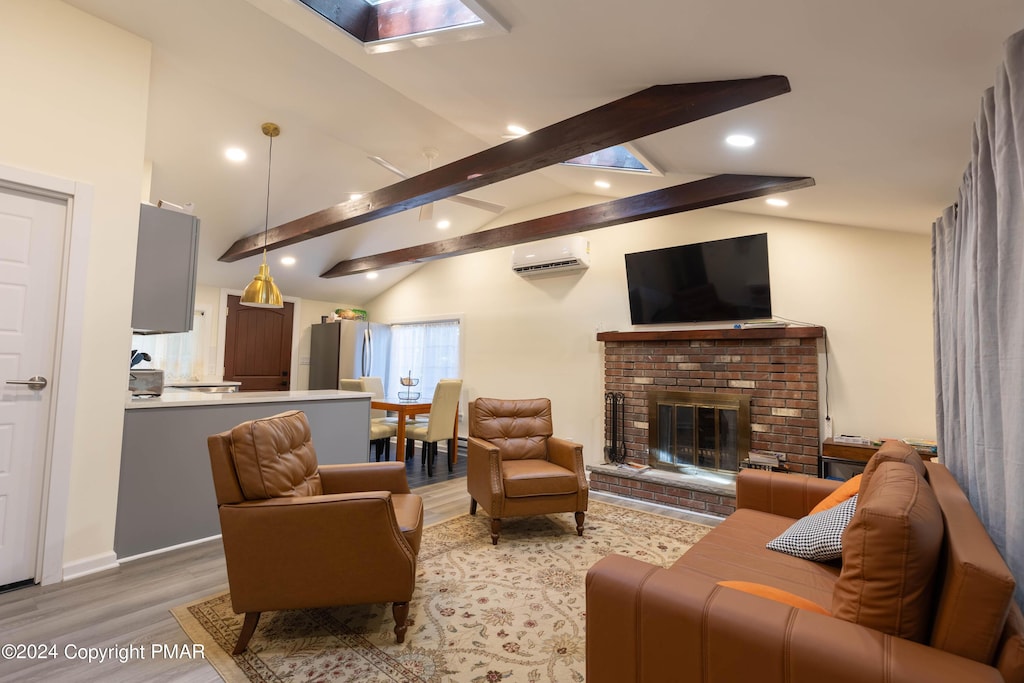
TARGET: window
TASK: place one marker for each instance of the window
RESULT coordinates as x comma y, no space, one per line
387,25
427,351
626,158
179,355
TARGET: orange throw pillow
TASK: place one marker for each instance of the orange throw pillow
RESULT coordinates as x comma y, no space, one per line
847,490
776,594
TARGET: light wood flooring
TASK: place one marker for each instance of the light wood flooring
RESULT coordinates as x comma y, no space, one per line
130,605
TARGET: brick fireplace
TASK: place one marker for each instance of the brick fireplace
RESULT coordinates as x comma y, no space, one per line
777,368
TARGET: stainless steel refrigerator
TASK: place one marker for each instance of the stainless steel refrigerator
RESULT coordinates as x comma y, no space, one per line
348,349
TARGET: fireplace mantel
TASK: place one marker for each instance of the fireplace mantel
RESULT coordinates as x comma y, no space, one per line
790,332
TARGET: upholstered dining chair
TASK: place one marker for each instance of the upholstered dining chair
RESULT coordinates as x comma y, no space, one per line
440,425
299,535
515,467
380,431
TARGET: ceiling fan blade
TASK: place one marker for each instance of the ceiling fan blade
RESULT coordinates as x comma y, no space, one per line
388,165
477,203
427,211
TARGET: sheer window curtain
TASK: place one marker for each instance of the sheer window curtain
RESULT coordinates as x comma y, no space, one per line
429,350
978,284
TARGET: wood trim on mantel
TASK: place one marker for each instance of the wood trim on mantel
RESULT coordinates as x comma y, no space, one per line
791,332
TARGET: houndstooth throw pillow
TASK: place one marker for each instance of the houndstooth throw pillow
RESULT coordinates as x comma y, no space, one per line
817,537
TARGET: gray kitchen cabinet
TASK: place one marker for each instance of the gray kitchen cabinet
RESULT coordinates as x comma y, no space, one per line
165,271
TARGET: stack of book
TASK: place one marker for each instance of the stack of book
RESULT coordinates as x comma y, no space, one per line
923,446
855,440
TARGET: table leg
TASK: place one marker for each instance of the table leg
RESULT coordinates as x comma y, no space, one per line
453,443
400,446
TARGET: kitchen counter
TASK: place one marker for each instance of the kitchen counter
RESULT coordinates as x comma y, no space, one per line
165,497
176,398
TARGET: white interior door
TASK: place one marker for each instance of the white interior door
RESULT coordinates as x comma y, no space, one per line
32,231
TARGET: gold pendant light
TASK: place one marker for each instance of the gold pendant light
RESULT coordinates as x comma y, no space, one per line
262,292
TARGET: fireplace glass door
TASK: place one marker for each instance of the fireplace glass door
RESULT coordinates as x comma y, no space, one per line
698,430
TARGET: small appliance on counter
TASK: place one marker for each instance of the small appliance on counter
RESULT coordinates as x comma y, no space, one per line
146,382
206,387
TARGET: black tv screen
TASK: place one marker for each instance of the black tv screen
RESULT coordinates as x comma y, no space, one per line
705,282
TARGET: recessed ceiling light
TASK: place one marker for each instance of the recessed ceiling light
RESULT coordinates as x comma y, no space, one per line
371,275
738,140
516,130
288,260
444,225
776,201
235,154
603,184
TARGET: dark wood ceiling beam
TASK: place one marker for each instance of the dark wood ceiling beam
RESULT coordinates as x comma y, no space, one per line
699,194
632,117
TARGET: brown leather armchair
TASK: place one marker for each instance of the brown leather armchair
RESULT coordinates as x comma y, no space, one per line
298,535
515,467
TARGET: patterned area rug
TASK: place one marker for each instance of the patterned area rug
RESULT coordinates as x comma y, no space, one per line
512,612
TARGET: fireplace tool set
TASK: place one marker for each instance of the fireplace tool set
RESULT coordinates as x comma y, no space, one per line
615,426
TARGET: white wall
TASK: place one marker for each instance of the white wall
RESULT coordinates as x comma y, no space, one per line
75,93
870,289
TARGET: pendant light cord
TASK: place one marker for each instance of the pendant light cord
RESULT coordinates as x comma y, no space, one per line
266,219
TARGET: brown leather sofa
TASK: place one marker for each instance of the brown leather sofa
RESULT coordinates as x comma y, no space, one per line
920,595
297,535
515,467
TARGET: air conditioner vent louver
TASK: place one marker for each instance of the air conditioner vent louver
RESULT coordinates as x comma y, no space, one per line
546,266
552,257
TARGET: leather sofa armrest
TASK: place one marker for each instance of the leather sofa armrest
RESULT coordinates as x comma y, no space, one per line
780,493
368,476
349,536
647,624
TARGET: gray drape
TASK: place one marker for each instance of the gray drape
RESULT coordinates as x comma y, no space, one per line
978,273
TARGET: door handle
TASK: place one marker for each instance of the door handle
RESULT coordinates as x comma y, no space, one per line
36,383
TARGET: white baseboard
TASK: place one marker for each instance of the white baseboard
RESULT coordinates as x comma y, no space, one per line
160,551
89,565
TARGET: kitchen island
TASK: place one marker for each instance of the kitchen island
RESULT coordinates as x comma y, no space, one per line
165,496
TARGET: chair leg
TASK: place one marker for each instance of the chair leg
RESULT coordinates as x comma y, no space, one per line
400,610
452,445
579,523
472,506
495,530
409,448
378,447
387,450
248,628
428,453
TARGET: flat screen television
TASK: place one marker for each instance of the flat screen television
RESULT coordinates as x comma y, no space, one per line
705,282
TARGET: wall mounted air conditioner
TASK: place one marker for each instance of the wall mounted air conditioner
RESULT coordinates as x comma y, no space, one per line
558,256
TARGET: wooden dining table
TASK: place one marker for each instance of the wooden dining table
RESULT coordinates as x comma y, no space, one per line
407,409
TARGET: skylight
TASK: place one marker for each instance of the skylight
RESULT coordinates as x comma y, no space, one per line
624,158
386,25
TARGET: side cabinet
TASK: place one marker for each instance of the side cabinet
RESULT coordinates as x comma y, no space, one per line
165,271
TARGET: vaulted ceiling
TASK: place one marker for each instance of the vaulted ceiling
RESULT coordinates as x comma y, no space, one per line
880,113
